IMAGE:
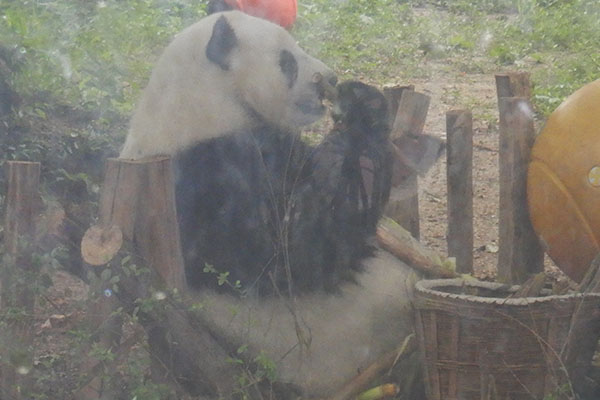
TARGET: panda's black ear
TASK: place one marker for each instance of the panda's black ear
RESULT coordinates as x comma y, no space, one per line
215,6
222,41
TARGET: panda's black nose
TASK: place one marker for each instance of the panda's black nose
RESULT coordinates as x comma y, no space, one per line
333,80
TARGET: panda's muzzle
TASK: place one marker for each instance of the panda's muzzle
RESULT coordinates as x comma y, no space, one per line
325,87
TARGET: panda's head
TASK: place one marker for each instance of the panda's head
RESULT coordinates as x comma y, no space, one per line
226,74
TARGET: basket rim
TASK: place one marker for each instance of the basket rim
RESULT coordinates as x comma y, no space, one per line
428,286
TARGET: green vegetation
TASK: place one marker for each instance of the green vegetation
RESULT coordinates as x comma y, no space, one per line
91,55
387,40
96,56
78,67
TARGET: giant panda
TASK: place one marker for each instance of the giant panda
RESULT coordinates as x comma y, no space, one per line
274,228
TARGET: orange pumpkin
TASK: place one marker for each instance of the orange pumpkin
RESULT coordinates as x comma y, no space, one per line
563,186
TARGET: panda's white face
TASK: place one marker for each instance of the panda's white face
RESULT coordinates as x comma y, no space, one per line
225,74
276,78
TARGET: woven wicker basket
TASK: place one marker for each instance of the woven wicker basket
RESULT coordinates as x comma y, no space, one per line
478,343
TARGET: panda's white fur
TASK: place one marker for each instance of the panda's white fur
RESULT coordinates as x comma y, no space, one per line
190,99
347,331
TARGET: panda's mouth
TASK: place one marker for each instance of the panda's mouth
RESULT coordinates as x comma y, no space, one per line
325,90
311,106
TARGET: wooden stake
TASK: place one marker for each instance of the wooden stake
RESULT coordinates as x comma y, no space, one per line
459,171
520,252
393,95
402,197
410,120
23,205
403,206
22,202
411,115
513,84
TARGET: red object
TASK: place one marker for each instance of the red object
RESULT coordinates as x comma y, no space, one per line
282,12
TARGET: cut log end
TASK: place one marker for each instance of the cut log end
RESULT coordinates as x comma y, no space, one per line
100,244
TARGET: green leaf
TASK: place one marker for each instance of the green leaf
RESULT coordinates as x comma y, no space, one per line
105,275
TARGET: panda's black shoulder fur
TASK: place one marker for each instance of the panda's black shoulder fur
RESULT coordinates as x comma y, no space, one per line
265,208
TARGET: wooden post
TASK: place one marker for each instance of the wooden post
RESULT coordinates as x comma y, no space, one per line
22,206
410,120
520,252
411,115
393,95
459,172
513,84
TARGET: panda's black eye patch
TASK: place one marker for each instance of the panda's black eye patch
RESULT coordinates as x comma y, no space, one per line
289,67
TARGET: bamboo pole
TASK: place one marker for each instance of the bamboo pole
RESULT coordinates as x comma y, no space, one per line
399,242
368,377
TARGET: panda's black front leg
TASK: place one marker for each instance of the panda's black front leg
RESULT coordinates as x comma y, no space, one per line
338,199
351,171
224,213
